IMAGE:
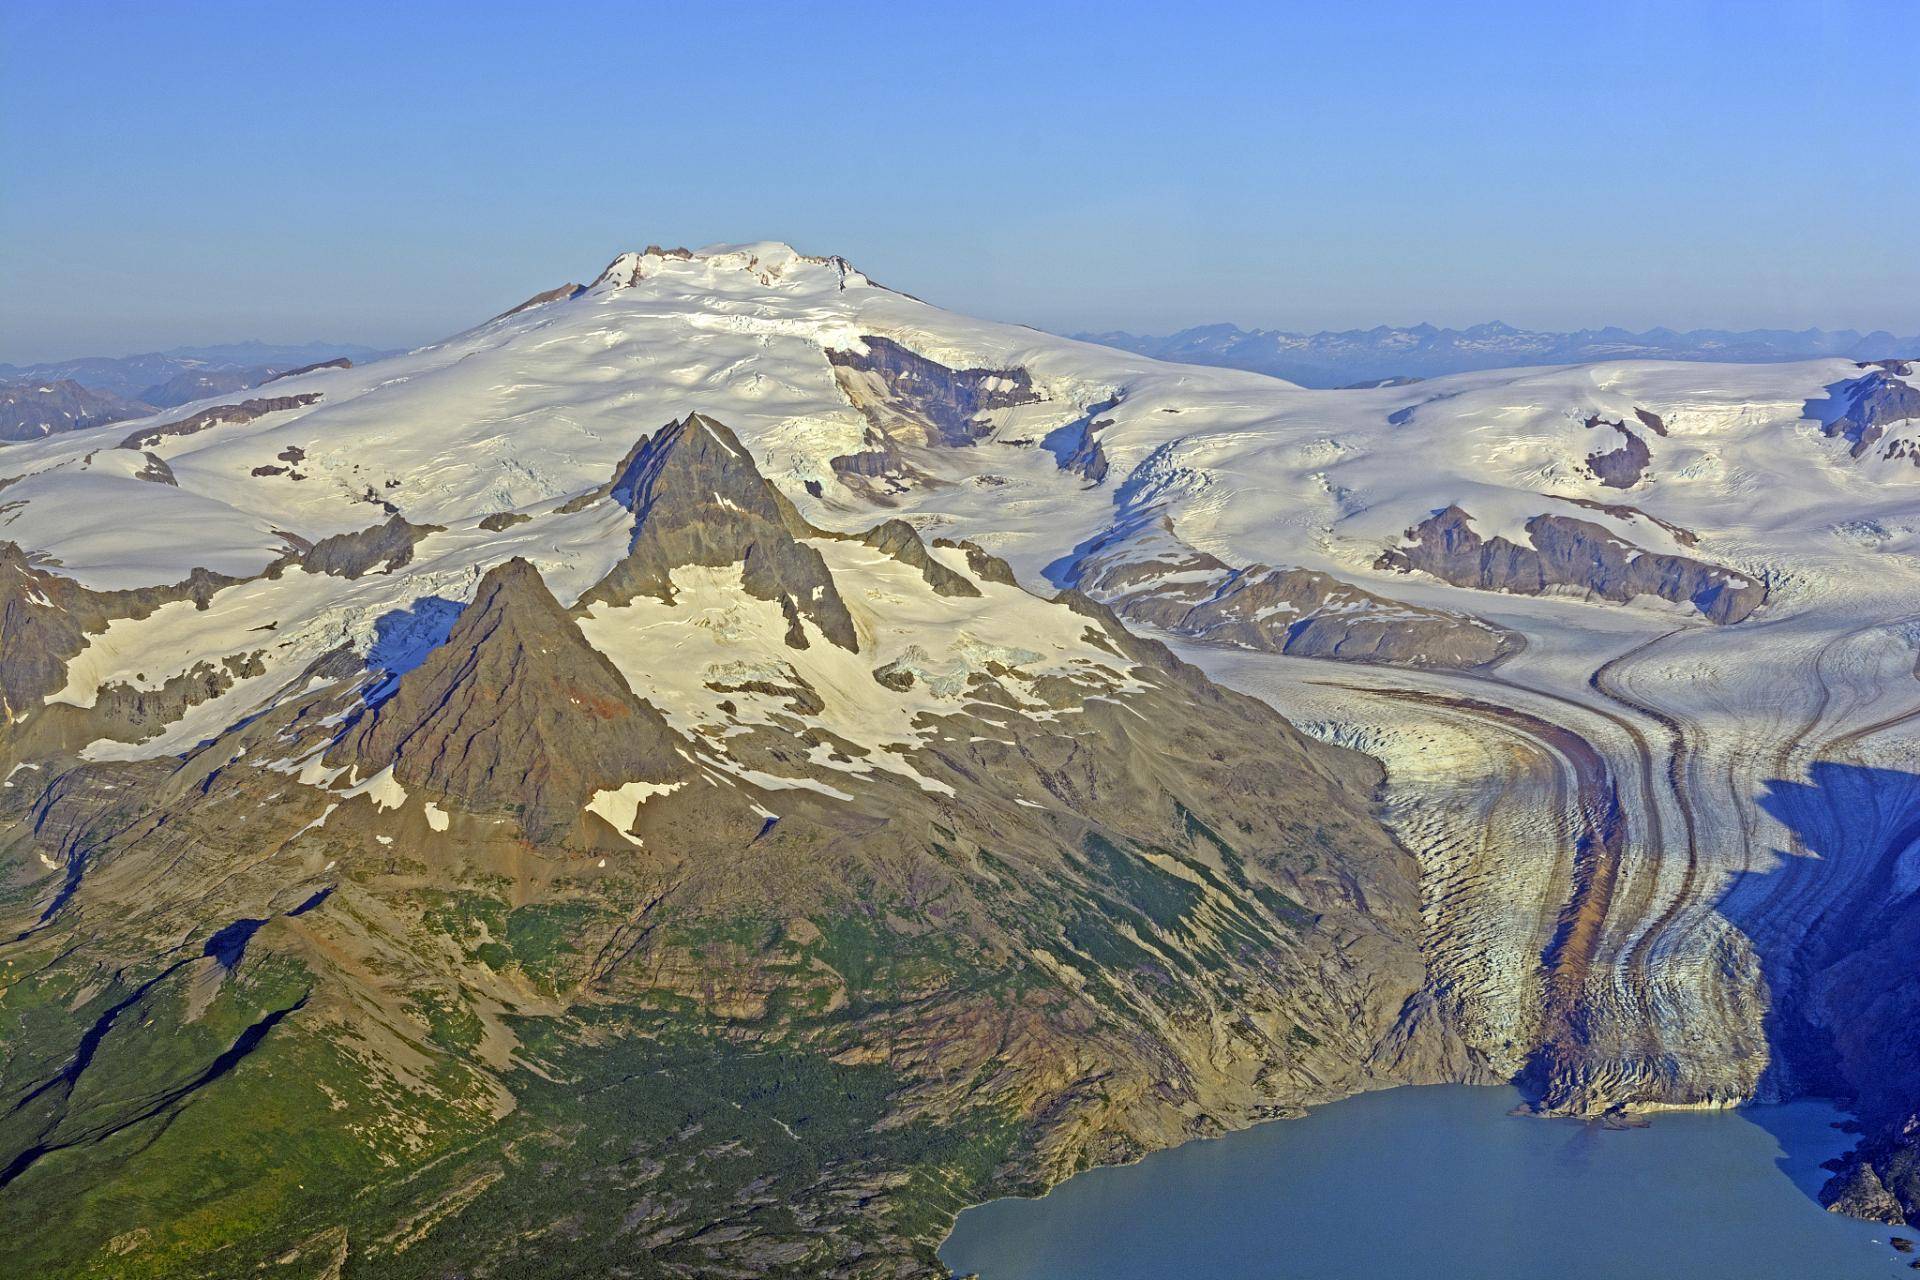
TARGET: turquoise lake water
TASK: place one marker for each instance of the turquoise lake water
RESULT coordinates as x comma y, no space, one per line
1441,1183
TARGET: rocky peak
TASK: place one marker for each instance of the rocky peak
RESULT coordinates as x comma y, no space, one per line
901,540
698,499
515,713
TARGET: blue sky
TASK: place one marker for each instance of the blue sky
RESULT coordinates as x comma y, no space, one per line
182,173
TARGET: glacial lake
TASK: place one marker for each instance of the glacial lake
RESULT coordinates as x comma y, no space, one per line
1440,1183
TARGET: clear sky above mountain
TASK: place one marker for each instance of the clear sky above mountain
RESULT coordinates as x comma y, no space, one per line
179,173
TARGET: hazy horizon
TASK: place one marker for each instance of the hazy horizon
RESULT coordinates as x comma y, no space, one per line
267,176
345,343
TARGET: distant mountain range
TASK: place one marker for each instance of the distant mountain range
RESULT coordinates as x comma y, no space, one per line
1352,357
40,399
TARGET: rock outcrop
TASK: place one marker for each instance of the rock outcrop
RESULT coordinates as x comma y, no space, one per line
337,362
981,563
1076,446
910,401
1158,579
1624,467
559,293
515,715
1861,409
218,415
900,540
384,547
698,499
45,619
907,397
1570,553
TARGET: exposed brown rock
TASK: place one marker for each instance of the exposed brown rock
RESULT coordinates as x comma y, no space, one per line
1569,552
246,411
698,499
156,470
338,362
981,563
385,547
900,540
1859,411
1621,511
1858,1192
1076,446
515,714
45,620
1620,468
559,293
1296,611
909,400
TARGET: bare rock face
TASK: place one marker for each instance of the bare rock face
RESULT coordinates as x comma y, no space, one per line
338,362
245,411
981,563
1571,553
1855,1033
1296,611
1860,410
1858,1192
906,395
1622,511
559,293
385,547
698,499
45,620
911,401
900,540
1620,468
515,714
1315,615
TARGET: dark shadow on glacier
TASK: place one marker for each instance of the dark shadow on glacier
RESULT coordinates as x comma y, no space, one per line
1859,410
1831,924
402,639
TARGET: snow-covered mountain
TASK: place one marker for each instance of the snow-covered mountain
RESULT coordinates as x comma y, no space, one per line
1354,357
35,408
1173,492
735,633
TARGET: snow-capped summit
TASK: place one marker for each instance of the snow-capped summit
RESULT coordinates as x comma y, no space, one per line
767,262
858,401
